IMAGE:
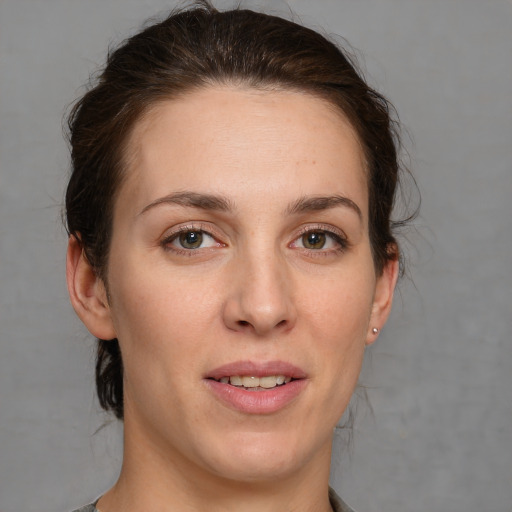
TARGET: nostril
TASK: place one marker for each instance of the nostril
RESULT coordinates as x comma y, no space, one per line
245,323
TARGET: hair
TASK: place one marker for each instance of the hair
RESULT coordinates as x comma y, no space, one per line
196,48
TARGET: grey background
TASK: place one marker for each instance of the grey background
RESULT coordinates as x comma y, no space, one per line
439,378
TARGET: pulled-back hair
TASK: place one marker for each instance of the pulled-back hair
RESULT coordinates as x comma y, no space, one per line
192,49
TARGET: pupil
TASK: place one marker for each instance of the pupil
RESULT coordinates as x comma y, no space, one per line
314,240
191,239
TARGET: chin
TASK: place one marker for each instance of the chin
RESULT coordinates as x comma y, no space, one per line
256,470
257,458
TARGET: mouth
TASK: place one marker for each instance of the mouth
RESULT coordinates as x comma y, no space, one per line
253,383
257,387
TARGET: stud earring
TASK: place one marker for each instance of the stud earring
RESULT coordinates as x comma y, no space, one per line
375,330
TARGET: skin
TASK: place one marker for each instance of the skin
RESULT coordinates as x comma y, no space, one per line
252,291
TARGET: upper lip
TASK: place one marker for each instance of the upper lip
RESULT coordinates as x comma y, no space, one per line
257,369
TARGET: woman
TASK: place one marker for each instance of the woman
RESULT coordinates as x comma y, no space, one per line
231,248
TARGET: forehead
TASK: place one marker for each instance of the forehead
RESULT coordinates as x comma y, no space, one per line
244,142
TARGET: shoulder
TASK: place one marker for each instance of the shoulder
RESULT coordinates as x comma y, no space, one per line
337,504
87,508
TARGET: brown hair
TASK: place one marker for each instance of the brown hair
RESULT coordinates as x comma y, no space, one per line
194,48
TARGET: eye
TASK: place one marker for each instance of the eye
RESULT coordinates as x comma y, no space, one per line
320,240
188,239
314,240
191,239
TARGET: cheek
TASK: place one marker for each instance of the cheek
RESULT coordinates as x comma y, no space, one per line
339,307
337,317
156,314
168,324
162,326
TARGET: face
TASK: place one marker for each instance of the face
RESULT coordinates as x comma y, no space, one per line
241,282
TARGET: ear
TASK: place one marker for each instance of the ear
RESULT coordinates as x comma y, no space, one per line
87,293
383,299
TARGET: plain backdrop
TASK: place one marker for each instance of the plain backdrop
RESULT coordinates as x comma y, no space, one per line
439,379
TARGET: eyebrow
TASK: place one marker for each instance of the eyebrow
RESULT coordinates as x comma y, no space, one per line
219,203
318,203
193,200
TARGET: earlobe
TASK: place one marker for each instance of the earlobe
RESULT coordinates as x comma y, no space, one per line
87,292
383,299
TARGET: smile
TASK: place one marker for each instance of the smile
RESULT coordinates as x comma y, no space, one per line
253,387
253,383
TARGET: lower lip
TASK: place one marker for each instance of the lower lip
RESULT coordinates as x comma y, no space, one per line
257,402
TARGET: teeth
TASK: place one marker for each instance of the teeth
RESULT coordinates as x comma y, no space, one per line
270,381
249,381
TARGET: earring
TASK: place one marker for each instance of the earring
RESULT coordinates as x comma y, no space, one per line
375,330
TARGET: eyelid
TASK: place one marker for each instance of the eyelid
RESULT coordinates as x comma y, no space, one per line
337,234
173,233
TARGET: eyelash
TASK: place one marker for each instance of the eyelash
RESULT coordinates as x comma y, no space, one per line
166,243
337,236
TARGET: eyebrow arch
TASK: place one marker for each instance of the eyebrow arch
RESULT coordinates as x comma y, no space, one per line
192,200
318,203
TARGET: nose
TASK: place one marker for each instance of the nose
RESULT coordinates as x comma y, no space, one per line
260,298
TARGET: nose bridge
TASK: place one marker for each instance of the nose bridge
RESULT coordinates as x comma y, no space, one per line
262,300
